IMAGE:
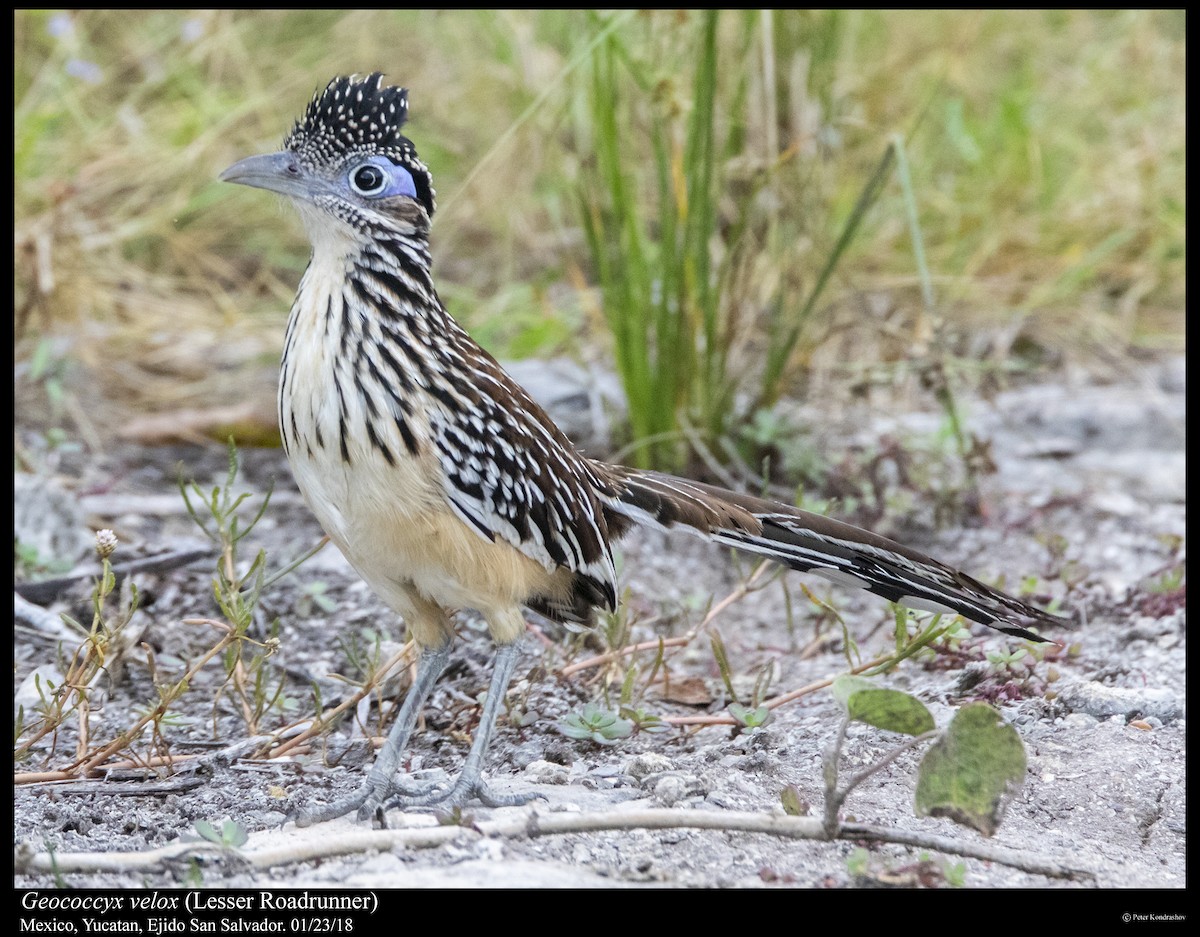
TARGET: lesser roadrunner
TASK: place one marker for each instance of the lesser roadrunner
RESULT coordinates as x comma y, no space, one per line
444,484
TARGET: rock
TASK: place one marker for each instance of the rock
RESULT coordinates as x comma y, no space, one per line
48,522
644,765
546,772
1102,701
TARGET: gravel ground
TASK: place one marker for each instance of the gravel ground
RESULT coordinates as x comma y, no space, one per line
1100,466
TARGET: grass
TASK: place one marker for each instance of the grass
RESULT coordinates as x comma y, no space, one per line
652,255
1045,154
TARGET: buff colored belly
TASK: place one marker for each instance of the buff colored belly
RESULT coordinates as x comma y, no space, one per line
395,528
389,517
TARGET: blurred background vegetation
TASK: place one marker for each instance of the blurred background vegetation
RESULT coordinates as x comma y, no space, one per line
728,209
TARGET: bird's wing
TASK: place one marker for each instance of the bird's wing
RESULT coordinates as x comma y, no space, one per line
511,474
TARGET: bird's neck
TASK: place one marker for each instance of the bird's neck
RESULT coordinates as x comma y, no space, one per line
376,294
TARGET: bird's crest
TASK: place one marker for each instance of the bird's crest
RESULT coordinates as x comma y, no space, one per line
356,115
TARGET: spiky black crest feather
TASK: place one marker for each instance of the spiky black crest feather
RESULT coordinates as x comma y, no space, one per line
355,116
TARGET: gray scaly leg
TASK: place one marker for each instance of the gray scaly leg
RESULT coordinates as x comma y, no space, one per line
380,782
470,782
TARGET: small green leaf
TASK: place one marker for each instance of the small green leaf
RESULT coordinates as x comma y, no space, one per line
233,835
884,709
230,836
968,772
846,686
858,862
891,710
597,725
793,804
208,831
751,718
644,721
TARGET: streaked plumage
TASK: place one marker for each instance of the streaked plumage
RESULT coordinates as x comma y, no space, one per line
442,481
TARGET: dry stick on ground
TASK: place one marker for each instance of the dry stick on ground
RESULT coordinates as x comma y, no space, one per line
90,762
47,590
184,763
126,737
130,788
329,843
45,623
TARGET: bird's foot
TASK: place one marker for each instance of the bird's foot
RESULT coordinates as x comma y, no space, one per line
368,801
465,789
339,808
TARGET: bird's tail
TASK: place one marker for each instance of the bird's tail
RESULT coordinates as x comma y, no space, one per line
811,543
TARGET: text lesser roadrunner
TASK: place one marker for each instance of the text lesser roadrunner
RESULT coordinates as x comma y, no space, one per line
441,480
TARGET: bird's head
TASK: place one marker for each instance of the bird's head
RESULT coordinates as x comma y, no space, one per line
346,162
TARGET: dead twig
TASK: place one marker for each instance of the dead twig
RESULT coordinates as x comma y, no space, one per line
182,763
47,590
327,842
44,622
130,788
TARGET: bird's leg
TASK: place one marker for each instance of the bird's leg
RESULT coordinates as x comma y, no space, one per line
381,781
470,782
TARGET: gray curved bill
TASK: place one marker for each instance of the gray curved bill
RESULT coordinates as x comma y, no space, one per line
276,172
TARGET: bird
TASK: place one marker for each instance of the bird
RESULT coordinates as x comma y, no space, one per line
446,486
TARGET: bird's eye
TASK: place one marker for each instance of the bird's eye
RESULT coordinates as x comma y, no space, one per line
368,180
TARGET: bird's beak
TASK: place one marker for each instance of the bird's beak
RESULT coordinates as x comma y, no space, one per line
277,172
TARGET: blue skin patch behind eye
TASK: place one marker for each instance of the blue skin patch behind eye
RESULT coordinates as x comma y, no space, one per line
399,180
401,183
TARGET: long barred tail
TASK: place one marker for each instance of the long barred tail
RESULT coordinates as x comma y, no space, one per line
811,543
